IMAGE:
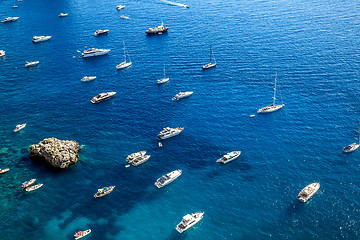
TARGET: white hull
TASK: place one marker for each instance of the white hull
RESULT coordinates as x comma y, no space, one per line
270,108
63,15
210,65
354,146
97,100
123,65
308,192
95,54
35,40
87,79
198,216
182,95
84,233
37,186
144,159
19,127
179,130
104,194
163,80
31,64
172,176
224,161
10,19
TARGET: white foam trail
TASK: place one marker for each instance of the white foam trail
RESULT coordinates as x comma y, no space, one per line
175,4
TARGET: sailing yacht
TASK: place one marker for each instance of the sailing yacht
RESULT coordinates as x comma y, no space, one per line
273,107
352,147
164,79
211,64
124,64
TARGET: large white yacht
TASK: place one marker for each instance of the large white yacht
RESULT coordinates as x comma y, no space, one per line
10,19
101,32
181,95
157,30
272,107
308,192
188,221
140,160
40,38
92,52
31,64
169,132
229,157
102,96
167,178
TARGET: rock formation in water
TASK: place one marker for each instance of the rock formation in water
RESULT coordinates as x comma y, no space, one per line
59,153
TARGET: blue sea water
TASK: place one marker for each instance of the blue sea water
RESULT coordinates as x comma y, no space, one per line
312,45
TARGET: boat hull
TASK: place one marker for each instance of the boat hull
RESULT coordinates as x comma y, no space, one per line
41,40
123,65
2,171
94,54
76,237
137,163
270,108
210,65
354,147
163,80
174,175
181,230
314,186
171,135
238,153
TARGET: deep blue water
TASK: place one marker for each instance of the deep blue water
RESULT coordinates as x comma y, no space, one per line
313,45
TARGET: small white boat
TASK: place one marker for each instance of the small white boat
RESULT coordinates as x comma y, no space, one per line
2,171
32,188
63,15
252,116
2,53
169,132
14,6
125,17
27,183
102,96
138,161
87,79
133,156
40,38
160,144
229,157
352,147
101,32
308,192
164,79
19,127
124,64
188,221
181,95
167,178
273,107
10,19
104,191
31,64
120,7
211,64
81,234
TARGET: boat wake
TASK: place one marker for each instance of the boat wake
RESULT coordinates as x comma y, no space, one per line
175,4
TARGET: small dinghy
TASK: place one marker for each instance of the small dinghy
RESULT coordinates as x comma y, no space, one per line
81,234
32,188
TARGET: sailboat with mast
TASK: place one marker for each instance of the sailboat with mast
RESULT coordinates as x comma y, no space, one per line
164,79
211,64
124,64
273,107
352,147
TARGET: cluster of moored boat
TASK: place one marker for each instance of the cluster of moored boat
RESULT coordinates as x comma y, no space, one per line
27,185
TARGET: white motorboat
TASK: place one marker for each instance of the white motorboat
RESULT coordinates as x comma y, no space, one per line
124,64
133,156
140,160
164,79
229,157
14,6
211,64
31,64
157,30
125,17
188,221
27,183
168,178
32,188
352,147
101,32
308,192
2,53
81,234
93,52
2,171
19,127
120,7
169,132
63,15
10,19
87,79
40,38
102,96
181,95
273,107
104,191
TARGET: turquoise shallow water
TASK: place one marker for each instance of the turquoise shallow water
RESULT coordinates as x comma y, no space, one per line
314,47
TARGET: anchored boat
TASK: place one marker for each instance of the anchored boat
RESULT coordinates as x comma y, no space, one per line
273,107
19,127
168,178
352,147
211,64
32,188
81,234
104,191
229,157
27,183
169,132
188,221
124,64
308,192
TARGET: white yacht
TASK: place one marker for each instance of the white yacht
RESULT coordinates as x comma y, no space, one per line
87,79
229,157
120,7
188,221
81,234
32,188
2,53
31,64
102,96
273,107
352,147
101,32
141,160
63,15
40,38
133,156
211,64
181,95
164,79
308,192
19,127
10,19
167,178
169,132
157,30
92,52
104,191
124,64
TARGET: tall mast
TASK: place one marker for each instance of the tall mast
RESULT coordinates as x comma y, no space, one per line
275,89
210,52
164,70
124,51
